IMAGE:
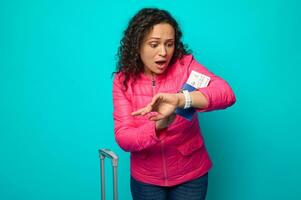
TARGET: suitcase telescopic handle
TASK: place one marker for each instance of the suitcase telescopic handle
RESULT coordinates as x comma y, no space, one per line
110,154
103,153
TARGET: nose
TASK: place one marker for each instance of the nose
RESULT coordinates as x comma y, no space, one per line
163,51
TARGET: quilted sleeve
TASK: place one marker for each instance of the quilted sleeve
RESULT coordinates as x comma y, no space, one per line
218,92
130,135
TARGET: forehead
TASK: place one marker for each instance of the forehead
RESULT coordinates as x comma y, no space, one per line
161,31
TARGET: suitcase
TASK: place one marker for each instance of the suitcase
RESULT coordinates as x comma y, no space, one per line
103,153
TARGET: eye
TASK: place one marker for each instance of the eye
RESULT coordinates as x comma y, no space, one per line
153,45
170,44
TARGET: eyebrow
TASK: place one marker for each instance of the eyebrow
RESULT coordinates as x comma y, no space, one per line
171,39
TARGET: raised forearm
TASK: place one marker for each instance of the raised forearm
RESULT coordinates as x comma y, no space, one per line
198,100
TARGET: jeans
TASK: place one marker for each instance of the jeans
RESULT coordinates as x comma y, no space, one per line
191,190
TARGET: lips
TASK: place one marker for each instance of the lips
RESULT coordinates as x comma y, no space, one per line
160,62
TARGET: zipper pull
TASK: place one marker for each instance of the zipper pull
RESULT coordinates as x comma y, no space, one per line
153,83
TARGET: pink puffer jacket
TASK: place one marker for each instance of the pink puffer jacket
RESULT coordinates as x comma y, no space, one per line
179,155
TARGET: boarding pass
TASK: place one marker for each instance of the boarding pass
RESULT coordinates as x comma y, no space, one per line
198,80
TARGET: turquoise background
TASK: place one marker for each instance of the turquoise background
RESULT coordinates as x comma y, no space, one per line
56,60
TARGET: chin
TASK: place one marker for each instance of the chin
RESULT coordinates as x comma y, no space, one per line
160,72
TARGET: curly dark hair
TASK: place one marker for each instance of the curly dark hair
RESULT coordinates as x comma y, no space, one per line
128,56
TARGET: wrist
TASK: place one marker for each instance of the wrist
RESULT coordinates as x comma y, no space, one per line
184,99
181,100
188,99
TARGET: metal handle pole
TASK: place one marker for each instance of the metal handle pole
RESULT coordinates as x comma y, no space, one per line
102,171
110,154
115,183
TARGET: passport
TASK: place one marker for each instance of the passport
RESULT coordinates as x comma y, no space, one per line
195,81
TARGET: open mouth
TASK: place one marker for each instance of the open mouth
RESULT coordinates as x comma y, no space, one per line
160,62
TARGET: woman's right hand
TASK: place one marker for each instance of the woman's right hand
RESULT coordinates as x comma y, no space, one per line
165,122
164,104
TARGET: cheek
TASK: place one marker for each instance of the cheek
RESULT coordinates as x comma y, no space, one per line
149,54
171,51
143,56
146,57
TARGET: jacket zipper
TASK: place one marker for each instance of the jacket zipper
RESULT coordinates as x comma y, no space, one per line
164,163
161,142
153,85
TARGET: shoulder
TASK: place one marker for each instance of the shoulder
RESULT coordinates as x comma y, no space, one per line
118,83
186,59
118,80
182,64
118,77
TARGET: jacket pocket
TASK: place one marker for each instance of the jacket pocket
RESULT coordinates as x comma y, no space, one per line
190,155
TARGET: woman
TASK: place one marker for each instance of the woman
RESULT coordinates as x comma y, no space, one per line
168,156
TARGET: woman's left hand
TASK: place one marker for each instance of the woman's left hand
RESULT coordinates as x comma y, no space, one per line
164,104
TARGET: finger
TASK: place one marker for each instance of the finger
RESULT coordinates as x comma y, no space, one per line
151,114
157,117
142,111
147,109
157,98
157,103
138,112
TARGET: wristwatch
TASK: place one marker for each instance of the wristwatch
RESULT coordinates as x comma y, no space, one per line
187,97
